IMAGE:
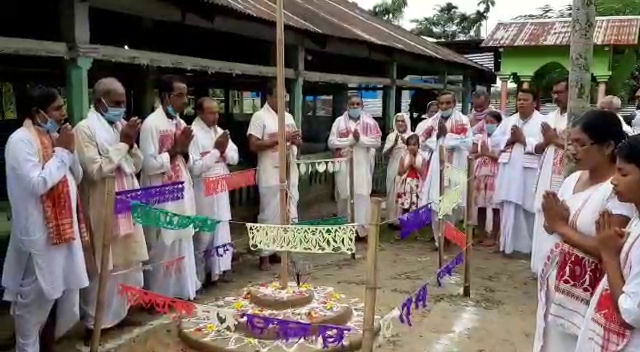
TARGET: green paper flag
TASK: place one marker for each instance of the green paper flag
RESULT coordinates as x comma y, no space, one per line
339,220
147,215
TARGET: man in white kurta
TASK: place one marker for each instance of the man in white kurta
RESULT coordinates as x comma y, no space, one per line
518,165
263,140
211,150
106,148
164,142
45,266
451,129
551,172
358,132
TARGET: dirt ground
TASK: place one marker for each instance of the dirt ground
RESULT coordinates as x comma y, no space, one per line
499,316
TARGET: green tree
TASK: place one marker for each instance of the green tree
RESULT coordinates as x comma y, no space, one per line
390,10
449,23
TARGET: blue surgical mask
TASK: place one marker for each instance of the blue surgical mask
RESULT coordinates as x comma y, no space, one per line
51,126
446,113
355,113
172,111
491,128
113,114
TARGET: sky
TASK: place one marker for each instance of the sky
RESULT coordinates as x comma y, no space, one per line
504,9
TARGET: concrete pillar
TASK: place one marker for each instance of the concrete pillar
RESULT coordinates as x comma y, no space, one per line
466,94
78,99
526,80
602,86
504,93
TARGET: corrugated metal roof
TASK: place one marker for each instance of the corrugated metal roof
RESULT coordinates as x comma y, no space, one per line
556,32
485,59
342,18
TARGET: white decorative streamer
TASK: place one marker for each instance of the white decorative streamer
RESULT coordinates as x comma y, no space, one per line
300,238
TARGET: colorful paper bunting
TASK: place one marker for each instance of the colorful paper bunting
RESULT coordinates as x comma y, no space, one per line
149,195
338,220
229,182
165,305
330,165
449,201
448,269
287,330
146,215
414,221
301,238
454,235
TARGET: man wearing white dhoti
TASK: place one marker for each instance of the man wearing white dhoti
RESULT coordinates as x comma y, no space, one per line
210,152
45,266
357,131
551,172
518,165
164,142
451,129
106,148
263,140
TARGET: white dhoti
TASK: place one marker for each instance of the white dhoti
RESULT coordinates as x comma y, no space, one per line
116,306
542,244
362,210
270,208
214,264
181,279
516,228
31,307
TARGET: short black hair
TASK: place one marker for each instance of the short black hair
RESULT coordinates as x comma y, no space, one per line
271,89
528,91
413,138
496,115
200,103
629,150
167,83
40,98
602,127
563,79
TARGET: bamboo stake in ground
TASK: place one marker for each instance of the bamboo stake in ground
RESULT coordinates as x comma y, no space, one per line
352,192
371,286
468,226
282,137
440,235
103,280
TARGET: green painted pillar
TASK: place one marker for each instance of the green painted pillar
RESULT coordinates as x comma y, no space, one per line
466,94
389,96
296,94
78,99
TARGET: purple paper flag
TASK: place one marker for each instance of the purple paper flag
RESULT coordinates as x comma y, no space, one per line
332,335
258,324
405,311
292,330
152,195
421,297
414,221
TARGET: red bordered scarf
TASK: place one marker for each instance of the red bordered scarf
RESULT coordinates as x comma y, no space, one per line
366,125
458,127
166,141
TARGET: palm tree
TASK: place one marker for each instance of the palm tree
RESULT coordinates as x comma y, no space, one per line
486,6
391,11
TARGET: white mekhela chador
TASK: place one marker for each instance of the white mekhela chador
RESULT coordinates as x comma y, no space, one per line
569,276
394,163
263,125
340,141
157,136
457,143
550,177
45,263
603,330
103,156
206,161
515,185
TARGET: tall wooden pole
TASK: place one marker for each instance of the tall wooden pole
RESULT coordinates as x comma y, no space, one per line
371,286
282,136
468,227
105,255
352,192
440,235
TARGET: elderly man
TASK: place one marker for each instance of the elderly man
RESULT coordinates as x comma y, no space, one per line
45,266
210,152
614,104
107,151
164,142
481,104
263,140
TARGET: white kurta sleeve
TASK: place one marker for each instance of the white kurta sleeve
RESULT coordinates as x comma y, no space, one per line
370,142
231,155
388,143
95,165
76,168
421,130
136,156
500,137
629,301
154,162
455,141
198,163
22,158
336,142
256,126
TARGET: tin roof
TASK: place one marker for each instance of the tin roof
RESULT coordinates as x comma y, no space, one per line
557,31
344,19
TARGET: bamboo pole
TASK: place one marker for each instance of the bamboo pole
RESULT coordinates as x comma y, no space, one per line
103,279
468,226
352,192
282,136
440,235
371,286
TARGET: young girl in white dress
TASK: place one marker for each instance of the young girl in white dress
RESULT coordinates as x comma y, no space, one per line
573,269
612,321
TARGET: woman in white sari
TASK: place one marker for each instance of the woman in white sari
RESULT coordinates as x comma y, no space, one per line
394,148
572,269
612,322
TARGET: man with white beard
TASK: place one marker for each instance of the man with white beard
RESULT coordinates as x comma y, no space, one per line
357,131
107,151
164,142
517,137
211,151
